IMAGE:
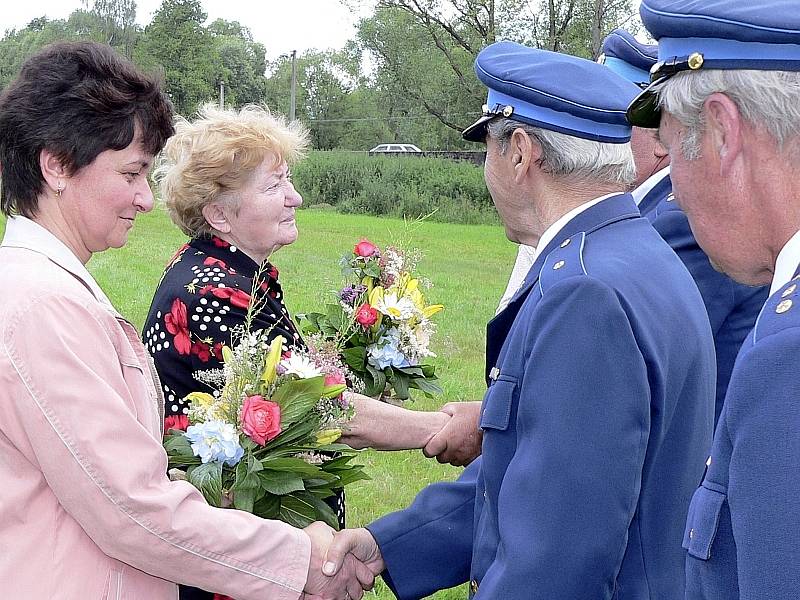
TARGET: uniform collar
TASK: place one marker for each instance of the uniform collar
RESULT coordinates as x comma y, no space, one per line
551,232
642,192
22,232
786,264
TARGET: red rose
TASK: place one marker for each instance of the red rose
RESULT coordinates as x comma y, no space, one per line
261,419
180,422
366,315
177,324
366,249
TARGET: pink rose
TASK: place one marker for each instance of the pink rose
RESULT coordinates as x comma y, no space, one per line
366,315
261,419
366,249
334,379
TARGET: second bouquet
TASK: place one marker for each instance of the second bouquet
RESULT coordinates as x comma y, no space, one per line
380,323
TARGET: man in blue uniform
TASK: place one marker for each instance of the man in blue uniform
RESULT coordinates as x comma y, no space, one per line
726,99
732,307
600,407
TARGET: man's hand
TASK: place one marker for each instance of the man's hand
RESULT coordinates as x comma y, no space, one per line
351,578
459,441
355,543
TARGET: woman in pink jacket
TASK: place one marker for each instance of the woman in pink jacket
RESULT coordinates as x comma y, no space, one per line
86,510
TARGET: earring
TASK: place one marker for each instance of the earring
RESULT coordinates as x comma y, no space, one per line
59,189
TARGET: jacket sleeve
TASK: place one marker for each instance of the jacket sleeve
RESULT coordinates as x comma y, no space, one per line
428,546
571,488
77,416
763,417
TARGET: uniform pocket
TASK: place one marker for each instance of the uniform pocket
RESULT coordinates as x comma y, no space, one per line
496,409
702,522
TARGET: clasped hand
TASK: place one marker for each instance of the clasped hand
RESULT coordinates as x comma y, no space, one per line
343,564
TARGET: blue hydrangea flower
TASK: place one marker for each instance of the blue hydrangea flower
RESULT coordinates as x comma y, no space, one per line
215,441
385,353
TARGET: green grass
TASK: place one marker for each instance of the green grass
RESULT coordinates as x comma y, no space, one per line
468,265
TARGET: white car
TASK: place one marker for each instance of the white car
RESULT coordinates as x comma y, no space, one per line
395,148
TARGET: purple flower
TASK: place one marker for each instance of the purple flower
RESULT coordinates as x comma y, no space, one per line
352,293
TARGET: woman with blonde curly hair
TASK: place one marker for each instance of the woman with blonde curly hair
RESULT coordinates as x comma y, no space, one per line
226,183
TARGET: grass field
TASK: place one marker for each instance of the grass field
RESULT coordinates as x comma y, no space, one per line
468,264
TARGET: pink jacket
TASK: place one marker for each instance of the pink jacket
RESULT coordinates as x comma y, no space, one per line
86,510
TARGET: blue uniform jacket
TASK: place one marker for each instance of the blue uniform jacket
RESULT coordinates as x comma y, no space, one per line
596,426
732,307
743,524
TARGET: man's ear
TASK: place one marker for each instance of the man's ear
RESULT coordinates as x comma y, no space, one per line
53,170
524,153
724,126
216,216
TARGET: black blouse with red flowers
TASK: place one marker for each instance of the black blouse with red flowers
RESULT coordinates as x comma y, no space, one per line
202,297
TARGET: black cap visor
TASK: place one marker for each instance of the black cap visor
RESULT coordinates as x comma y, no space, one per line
477,131
644,110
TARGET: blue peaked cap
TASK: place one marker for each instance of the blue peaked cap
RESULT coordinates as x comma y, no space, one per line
717,34
553,91
628,57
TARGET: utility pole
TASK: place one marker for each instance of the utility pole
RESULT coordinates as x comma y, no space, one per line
222,95
293,95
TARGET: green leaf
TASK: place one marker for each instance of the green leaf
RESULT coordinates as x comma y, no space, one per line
178,445
323,511
296,511
295,433
356,473
297,398
208,479
281,483
355,357
267,507
426,386
374,381
292,465
400,384
245,499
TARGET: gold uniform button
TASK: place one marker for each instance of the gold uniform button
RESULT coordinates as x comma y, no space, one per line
565,243
473,586
508,111
783,306
695,61
558,265
789,291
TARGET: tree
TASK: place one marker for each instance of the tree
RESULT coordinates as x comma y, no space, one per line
117,20
177,42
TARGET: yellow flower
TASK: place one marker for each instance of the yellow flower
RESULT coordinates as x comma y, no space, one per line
376,296
203,400
328,436
417,298
432,310
227,355
273,358
368,282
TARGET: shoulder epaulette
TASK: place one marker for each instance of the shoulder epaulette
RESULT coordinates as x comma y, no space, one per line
781,311
565,261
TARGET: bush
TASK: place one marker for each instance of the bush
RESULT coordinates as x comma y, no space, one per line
397,186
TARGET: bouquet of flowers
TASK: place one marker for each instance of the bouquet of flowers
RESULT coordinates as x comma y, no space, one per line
381,322
265,440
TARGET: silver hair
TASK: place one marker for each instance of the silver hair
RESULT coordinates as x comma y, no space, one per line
768,100
566,156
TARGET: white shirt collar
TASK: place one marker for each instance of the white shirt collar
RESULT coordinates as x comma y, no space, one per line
22,232
551,232
640,192
786,263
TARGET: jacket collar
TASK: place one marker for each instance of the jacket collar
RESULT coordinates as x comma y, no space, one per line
22,232
613,209
656,194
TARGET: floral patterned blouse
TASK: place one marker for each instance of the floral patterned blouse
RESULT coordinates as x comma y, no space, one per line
202,297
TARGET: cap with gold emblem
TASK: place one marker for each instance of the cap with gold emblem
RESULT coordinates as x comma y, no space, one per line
553,91
716,34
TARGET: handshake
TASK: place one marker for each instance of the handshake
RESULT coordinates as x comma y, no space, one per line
343,564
